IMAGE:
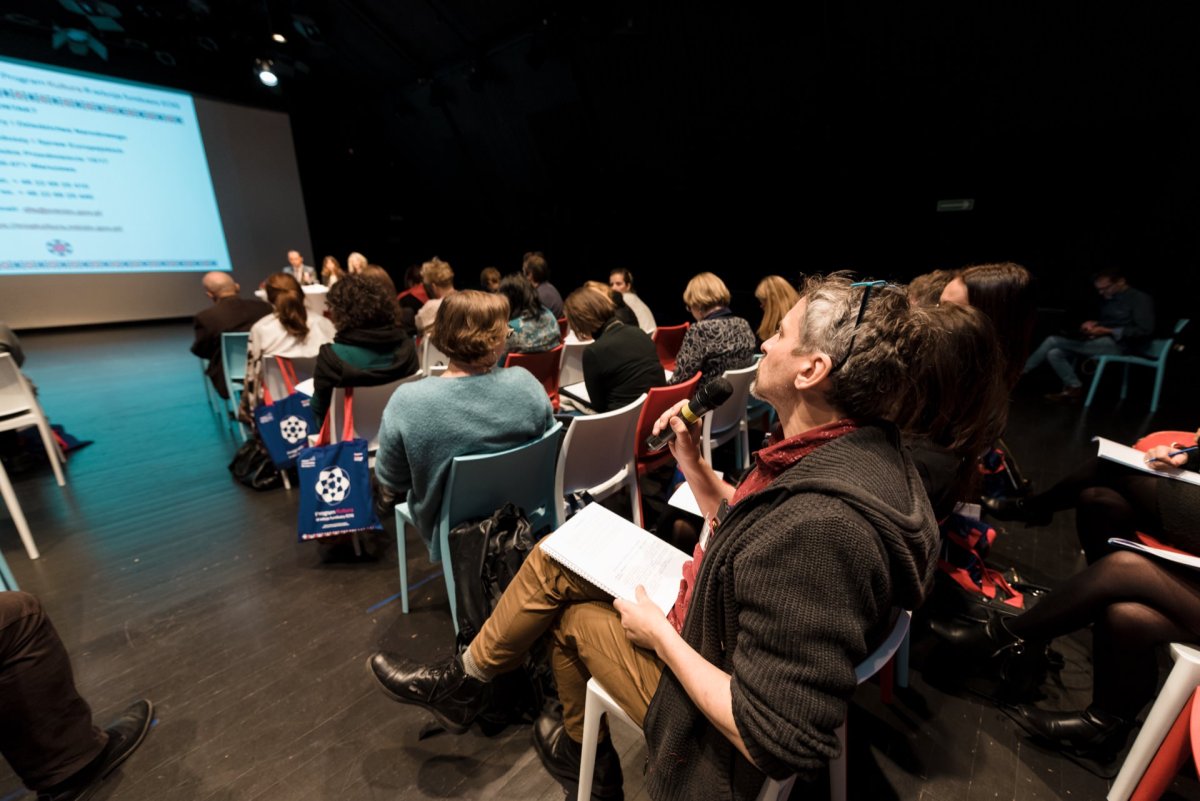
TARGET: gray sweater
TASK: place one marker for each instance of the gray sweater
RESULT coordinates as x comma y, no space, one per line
797,586
427,423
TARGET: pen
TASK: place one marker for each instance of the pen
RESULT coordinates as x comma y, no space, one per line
1176,453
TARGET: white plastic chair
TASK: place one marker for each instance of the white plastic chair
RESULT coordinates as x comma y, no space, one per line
480,484
433,361
1183,681
728,420
369,403
14,510
570,369
599,702
19,408
273,379
234,345
597,455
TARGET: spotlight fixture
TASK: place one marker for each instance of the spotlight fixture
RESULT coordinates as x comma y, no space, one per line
279,37
264,68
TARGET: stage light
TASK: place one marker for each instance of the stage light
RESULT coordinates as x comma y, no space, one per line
265,72
279,37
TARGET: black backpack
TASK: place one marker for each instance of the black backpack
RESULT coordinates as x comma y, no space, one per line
486,554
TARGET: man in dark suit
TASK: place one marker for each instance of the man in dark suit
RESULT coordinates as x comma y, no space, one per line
228,313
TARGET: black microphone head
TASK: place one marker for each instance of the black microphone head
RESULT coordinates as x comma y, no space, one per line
714,393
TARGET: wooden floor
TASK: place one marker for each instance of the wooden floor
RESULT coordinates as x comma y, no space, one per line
168,580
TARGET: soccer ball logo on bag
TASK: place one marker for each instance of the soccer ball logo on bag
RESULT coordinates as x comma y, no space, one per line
293,429
333,485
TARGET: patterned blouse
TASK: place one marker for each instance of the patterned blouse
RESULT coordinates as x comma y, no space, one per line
713,345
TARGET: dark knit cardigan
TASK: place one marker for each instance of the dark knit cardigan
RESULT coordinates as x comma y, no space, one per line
798,584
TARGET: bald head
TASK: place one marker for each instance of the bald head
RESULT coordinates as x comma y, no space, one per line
220,285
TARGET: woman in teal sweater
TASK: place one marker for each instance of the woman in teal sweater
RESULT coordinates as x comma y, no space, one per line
474,407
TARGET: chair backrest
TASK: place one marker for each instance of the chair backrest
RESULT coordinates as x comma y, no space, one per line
563,328
1158,349
886,650
369,403
571,369
731,412
597,447
431,358
15,395
479,485
667,339
544,366
658,400
233,354
273,379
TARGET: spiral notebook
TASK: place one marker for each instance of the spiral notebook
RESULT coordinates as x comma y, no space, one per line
617,556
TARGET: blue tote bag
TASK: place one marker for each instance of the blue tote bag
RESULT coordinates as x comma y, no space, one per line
285,425
335,484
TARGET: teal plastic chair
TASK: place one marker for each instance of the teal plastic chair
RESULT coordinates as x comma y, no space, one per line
7,582
233,359
1154,356
479,485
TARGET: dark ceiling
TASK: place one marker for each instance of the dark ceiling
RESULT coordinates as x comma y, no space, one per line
675,137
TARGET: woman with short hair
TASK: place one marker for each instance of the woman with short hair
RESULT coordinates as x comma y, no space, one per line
622,362
474,407
718,341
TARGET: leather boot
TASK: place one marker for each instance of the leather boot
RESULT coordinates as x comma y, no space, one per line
453,697
561,755
1091,733
125,734
987,639
1020,509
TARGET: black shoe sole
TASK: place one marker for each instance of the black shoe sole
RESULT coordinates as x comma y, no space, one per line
446,723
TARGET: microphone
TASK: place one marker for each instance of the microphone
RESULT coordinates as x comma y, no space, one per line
713,394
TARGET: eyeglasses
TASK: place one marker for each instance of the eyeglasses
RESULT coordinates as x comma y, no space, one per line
862,309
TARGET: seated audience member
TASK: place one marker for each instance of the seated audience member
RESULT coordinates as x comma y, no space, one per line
303,273
1134,603
331,271
380,276
368,349
622,362
749,673
624,313
1125,324
1005,293
228,314
439,277
621,281
414,296
533,328
293,331
926,290
534,267
489,279
776,296
47,736
355,263
473,407
718,341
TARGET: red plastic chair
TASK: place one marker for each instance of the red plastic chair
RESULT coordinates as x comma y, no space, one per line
563,328
544,367
658,400
667,340
1182,741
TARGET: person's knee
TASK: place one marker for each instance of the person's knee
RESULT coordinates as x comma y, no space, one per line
1129,625
1098,498
17,605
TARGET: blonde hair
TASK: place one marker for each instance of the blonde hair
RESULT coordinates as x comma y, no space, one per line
705,292
437,273
471,327
777,297
355,263
588,309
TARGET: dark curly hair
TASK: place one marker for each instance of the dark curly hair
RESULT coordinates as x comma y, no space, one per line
358,302
523,299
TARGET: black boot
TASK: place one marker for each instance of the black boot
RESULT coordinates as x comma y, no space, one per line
984,639
1019,509
1091,733
451,695
125,734
561,756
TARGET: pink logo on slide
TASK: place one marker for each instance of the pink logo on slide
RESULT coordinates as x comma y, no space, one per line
58,247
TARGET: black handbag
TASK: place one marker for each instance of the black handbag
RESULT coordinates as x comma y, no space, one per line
253,467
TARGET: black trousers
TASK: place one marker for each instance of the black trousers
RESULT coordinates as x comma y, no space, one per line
46,730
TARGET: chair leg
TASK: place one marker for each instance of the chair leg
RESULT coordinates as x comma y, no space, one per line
287,482
448,575
1125,382
592,711
1180,684
14,509
1176,749
1158,382
837,768
52,452
7,582
902,662
1100,364
402,558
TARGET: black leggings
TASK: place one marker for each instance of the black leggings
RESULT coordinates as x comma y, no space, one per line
1109,501
1135,603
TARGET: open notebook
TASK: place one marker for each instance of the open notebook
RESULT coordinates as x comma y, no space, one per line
1187,560
1131,457
617,556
